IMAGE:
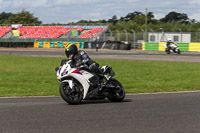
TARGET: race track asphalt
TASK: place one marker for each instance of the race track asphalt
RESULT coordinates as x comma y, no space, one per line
139,113
106,54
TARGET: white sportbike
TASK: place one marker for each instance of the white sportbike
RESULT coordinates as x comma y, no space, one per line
77,84
172,48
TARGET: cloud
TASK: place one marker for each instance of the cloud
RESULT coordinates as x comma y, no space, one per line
159,16
131,1
24,3
51,11
77,2
195,16
194,2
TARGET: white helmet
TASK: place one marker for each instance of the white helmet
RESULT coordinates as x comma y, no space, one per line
169,39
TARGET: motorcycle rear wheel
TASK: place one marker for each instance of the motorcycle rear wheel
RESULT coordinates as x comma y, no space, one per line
71,96
120,94
167,51
178,51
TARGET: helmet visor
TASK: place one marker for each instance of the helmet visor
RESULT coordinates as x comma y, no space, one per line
70,56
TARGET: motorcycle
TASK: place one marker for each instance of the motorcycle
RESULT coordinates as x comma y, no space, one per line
77,84
172,48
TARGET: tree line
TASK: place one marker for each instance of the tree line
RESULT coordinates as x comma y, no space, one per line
23,17
172,22
137,21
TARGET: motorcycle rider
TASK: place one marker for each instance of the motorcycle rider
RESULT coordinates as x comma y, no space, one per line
169,42
79,58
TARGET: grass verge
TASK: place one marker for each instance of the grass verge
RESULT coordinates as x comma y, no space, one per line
35,76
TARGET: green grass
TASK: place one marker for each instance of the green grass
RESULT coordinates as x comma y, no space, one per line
34,76
156,76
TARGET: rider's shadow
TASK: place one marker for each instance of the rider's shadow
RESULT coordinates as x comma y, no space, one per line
103,101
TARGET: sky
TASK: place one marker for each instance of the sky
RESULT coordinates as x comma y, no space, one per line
65,11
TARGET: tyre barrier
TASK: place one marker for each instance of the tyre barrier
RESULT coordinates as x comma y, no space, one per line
16,44
114,45
56,44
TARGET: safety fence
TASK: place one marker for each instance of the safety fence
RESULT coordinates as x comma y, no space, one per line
115,45
159,46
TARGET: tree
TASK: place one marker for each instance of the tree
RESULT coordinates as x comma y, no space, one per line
131,16
23,17
174,16
113,19
82,21
150,15
139,20
4,16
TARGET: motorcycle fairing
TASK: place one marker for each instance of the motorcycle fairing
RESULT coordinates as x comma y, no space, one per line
78,71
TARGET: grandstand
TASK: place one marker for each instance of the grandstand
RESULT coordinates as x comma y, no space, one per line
4,30
57,36
37,32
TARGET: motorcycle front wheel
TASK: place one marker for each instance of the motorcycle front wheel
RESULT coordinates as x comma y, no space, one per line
71,95
119,95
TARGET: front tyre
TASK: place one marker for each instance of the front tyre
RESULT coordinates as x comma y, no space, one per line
71,95
119,94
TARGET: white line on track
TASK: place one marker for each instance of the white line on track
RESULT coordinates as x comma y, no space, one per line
129,94
157,93
29,97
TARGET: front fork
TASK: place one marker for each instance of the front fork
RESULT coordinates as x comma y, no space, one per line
70,82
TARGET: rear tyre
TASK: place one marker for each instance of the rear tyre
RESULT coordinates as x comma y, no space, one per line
178,51
71,96
167,51
119,95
